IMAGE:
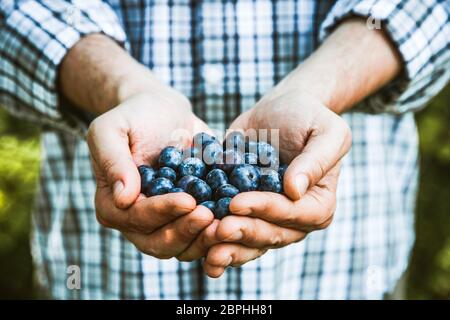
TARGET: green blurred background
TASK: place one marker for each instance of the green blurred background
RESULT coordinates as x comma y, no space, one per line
429,272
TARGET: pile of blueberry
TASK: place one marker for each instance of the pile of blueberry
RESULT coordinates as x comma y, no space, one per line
214,173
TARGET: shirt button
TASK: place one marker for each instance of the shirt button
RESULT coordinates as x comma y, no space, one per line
213,73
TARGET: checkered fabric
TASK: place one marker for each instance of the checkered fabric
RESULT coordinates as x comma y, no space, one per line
224,55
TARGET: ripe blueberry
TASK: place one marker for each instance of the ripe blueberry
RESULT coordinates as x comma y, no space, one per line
170,157
175,190
216,178
209,204
270,181
226,190
251,146
245,177
222,208
184,181
282,170
192,167
168,173
159,186
199,189
147,174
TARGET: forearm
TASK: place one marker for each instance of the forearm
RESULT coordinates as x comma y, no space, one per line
351,64
97,74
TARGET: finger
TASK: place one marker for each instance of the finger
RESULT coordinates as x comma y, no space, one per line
325,147
313,211
146,215
256,233
223,255
172,239
201,244
109,148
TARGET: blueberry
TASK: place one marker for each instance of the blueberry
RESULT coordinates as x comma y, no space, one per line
199,189
159,186
209,204
267,155
170,157
211,152
192,167
282,170
201,139
235,140
270,181
250,158
175,190
192,152
147,174
228,160
184,181
222,208
168,173
251,147
226,190
245,177
216,178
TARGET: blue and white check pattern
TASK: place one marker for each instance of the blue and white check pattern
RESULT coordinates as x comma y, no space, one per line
224,55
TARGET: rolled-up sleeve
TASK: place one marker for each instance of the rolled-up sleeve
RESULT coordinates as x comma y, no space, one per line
34,38
420,31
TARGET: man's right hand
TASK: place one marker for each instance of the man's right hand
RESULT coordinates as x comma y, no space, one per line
131,134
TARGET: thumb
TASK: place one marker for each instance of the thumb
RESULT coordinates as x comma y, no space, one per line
326,145
109,148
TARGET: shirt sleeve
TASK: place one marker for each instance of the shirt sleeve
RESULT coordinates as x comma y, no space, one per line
34,38
420,31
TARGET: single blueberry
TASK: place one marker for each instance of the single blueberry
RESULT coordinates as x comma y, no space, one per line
216,178
175,190
192,167
282,170
222,208
184,181
158,186
228,160
147,174
270,181
168,173
192,152
235,140
250,158
245,177
199,189
267,155
211,152
170,157
201,139
209,204
226,190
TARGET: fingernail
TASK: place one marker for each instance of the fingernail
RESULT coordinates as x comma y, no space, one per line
117,188
302,183
236,236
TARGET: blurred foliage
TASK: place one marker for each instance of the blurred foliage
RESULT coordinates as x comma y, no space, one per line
429,274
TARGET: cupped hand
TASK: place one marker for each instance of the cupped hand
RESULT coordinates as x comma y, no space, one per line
312,139
133,134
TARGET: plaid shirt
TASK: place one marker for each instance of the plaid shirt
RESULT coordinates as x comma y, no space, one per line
224,55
